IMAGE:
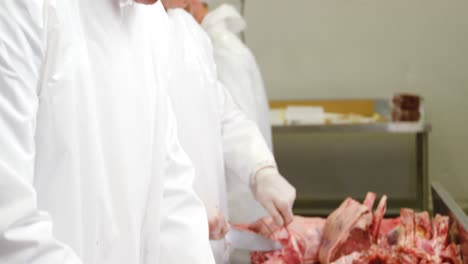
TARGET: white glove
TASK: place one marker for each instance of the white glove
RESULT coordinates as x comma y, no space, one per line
219,226
275,194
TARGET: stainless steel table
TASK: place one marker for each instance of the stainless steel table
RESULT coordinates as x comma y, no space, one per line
420,131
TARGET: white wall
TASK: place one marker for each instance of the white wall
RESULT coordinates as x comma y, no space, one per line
216,3
370,48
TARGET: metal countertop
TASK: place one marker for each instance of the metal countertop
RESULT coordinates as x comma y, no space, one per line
397,128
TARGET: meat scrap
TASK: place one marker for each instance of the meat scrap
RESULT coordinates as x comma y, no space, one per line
406,232
389,231
349,259
348,229
451,254
300,240
378,219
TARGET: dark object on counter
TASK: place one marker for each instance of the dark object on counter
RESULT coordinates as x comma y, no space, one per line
406,108
407,101
405,115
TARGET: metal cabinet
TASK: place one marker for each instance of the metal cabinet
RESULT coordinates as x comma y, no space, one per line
416,185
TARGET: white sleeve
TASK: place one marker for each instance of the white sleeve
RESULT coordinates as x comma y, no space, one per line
25,232
245,150
184,228
234,74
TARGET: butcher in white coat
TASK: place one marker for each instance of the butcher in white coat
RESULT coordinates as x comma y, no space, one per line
216,134
91,170
238,71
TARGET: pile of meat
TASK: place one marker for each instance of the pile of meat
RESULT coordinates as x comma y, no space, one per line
353,234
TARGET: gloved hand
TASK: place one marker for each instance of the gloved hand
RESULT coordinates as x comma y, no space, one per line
219,226
275,194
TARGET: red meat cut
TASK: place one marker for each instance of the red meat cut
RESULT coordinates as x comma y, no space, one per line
300,240
349,228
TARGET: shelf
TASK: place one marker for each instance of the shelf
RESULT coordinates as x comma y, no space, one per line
396,128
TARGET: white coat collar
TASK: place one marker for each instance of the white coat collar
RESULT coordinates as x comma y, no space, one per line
225,17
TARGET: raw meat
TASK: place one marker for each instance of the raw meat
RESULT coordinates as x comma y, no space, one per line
377,255
389,230
300,240
423,226
378,218
352,234
348,229
423,232
418,241
349,259
406,233
451,255
369,200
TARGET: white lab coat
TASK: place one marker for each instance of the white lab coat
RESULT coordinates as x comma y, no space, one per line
90,166
238,71
237,67
213,130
